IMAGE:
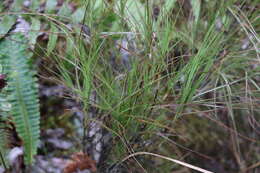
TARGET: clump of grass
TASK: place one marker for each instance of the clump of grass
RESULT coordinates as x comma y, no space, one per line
185,76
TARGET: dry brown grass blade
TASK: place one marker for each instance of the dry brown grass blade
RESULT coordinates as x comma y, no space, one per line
167,158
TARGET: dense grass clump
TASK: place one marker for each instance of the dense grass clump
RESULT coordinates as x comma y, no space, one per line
167,79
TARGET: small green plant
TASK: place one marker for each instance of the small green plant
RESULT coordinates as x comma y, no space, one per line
21,94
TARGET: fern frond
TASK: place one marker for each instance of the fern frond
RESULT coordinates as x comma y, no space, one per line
4,135
22,92
3,144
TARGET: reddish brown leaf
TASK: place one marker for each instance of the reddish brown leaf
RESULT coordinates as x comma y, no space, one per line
80,161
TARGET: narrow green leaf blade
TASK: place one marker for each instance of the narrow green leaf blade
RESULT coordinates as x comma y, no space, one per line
52,39
196,5
34,31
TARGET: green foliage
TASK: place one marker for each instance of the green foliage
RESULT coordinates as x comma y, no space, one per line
17,5
135,14
65,11
6,24
196,5
3,145
35,4
145,71
52,39
50,5
196,70
78,15
21,92
34,30
4,108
